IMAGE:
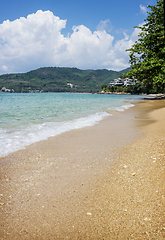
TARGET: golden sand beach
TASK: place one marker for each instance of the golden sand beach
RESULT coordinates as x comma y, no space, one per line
100,182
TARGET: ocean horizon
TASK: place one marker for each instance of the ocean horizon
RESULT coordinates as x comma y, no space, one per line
26,118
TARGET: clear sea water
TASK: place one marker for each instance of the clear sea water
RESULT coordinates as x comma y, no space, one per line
26,118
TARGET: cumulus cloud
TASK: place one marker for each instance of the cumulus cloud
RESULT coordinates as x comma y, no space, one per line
105,25
143,9
37,41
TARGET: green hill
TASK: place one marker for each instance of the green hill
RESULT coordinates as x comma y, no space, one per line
55,79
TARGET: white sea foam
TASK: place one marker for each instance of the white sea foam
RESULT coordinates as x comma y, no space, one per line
21,115
12,140
123,107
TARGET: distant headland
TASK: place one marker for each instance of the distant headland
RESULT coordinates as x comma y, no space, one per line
59,79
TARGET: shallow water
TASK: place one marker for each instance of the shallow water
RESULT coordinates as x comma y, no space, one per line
28,118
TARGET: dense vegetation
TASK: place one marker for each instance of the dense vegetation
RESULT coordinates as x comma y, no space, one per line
138,88
54,79
147,55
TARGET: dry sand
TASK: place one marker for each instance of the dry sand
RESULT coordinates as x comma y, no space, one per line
101,182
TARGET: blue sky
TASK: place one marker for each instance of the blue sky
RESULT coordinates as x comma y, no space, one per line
68,33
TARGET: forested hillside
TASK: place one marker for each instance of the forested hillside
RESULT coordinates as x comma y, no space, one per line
55,79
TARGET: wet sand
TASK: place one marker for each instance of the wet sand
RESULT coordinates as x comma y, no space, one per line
100,182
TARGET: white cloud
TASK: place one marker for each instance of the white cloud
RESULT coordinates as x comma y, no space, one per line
105,25
143,9
37,41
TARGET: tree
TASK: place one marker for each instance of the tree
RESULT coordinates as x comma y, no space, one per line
147,55
104,87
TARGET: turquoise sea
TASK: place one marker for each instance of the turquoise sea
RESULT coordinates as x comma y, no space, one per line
26,118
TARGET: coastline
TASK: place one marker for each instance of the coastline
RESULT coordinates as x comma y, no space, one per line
110,191
146,96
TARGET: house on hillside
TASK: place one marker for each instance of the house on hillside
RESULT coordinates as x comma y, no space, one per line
122,82
72,85
6,90
116,82
128,82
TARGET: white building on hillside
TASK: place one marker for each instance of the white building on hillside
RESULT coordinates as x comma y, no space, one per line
128,82
116,82
6,90
122,82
